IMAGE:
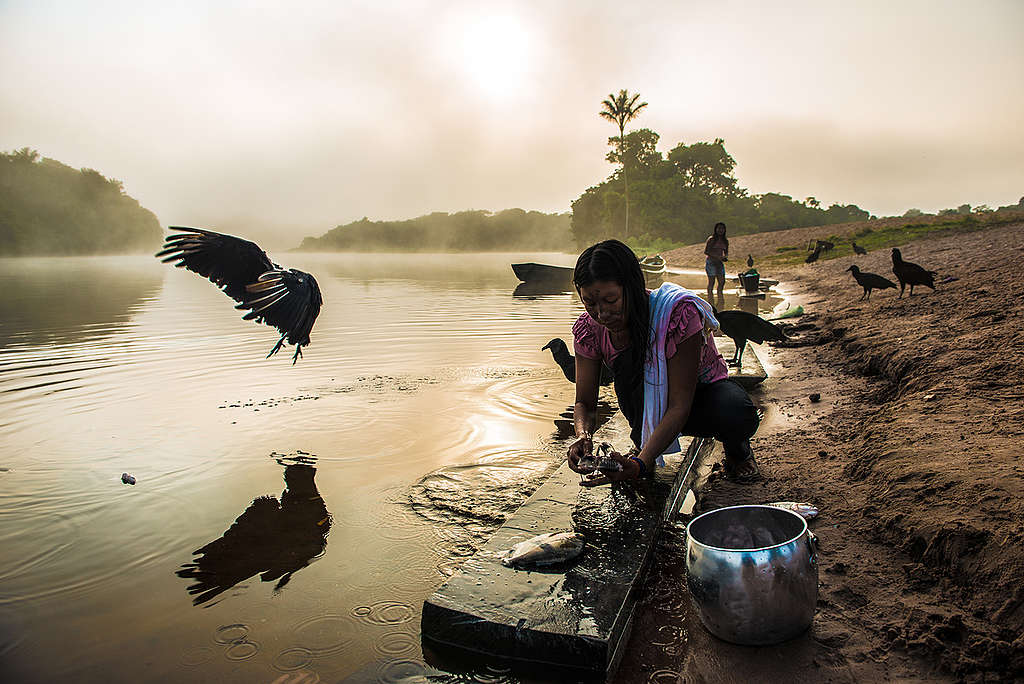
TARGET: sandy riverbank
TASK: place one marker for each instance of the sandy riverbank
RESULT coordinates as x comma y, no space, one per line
913,456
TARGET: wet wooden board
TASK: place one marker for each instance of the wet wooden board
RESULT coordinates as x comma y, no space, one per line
752,372
575,619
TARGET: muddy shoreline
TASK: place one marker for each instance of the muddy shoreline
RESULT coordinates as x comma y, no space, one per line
912,454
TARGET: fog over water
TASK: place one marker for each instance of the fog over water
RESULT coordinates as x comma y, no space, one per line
278,122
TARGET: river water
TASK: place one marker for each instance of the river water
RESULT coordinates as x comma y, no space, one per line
287,521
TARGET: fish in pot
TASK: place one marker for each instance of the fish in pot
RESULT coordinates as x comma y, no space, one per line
752,572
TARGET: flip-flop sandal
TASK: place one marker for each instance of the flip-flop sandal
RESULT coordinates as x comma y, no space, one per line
732,470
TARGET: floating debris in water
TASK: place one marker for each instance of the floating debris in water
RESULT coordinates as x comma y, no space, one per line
804,510
127,479
545,549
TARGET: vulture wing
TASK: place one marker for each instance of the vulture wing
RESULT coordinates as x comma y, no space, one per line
287,299
229,262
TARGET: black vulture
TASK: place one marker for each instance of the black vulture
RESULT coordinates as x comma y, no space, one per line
870,281
742,326
287,299
824,245
813,256
750,261
910,274
857,249
567,362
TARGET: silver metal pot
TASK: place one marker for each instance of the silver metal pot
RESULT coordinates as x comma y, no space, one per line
752,573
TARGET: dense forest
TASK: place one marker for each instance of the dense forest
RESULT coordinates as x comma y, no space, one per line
464,231
676,199
47,207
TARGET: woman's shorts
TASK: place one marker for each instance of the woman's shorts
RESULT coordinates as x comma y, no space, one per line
714,268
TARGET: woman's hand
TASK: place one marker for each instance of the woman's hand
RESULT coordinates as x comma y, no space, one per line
584,446
631,470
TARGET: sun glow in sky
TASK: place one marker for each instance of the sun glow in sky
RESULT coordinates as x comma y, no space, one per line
494,52
282,120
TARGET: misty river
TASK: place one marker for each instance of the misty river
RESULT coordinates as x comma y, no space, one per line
286,519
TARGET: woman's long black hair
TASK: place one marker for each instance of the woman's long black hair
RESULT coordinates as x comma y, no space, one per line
614,261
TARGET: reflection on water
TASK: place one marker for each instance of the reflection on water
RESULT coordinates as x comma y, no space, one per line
271,538
543,288
425,395
64,299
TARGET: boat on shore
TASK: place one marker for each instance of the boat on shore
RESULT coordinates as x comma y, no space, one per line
654,268
530,272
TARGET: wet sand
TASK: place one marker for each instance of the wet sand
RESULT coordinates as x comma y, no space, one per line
913,457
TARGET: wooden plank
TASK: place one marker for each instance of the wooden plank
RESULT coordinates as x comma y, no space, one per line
576,619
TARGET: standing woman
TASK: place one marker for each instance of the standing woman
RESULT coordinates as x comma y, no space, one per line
669,377
717,251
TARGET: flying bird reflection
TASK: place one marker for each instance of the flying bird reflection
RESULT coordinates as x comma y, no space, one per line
287,299
271,538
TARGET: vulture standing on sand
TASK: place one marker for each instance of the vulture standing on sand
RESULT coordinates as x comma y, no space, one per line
857,249
750,261
870,281
742,326
287,299
813,256
910,274
567,362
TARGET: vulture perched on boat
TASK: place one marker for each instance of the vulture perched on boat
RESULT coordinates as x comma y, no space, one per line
742,326
870,281
567,362
287,299
910,274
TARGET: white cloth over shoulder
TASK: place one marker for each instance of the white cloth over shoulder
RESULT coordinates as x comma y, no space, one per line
662,301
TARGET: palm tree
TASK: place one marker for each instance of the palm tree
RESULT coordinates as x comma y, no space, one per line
621,109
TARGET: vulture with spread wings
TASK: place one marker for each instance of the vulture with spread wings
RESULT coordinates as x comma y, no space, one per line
287,299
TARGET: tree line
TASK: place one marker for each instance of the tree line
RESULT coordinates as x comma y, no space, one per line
47,207
678,197
464,231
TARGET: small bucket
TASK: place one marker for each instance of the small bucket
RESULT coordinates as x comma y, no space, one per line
750,281
752,573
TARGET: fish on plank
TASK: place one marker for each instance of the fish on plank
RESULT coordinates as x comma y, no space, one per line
806,511
545,549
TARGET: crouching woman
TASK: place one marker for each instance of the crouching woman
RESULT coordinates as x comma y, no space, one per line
669,377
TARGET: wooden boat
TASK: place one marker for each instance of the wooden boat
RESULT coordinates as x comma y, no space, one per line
654,268
530,272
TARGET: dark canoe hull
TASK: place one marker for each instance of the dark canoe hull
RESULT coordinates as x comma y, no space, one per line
531,272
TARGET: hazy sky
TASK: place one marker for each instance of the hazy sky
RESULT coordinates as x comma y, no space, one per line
281,120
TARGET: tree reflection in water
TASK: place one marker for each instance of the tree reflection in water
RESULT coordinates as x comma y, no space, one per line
270,538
